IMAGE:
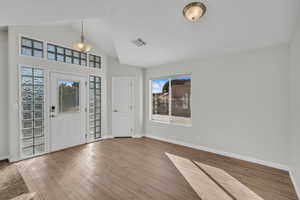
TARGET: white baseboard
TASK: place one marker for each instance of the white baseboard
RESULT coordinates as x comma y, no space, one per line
3,157
134,136
296,186
137,136
232,155
107,137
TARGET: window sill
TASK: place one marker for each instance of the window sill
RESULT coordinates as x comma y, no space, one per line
171,123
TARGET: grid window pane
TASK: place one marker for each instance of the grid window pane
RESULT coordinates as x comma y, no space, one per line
95,107
38,72
76,54
26,42
68,52
32,117
38,45
51,48
38,53
27,151
51,56
26,71
27,133
68,59
94,61
83,62
60,58
26,51
27,80
39,149
30,47
76,61
59,50
83,55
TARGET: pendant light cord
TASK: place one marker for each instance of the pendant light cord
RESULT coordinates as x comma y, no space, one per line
82,34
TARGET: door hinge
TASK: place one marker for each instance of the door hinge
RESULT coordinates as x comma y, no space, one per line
85,83
85,109
85,136
130,107
131,130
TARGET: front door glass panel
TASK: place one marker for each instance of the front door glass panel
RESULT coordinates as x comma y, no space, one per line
68,96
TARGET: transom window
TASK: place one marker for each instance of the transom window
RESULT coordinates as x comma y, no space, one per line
171,100
35,48
94,61
30,47
66,55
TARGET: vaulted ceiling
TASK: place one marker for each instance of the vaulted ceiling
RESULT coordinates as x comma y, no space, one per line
229,26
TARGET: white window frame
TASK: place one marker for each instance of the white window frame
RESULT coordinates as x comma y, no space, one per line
169,119
45,52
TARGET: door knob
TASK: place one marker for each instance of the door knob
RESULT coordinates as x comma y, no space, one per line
52,109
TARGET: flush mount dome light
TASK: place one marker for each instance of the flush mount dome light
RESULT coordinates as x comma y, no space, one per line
194,11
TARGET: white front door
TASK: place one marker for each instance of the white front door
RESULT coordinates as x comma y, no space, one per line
122,107
67,111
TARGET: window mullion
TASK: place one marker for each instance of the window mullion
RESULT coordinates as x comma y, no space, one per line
170,100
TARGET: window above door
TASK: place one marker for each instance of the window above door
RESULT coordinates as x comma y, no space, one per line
53,52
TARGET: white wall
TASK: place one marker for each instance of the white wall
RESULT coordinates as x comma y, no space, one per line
57,34
118,70
295,108
239,104
3,96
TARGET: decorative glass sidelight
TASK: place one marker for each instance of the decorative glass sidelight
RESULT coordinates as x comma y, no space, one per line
32,111
95,107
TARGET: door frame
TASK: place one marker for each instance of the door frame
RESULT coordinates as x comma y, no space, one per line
86,106
47,82
132,85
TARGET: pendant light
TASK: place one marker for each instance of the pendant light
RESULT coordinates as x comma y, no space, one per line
82,46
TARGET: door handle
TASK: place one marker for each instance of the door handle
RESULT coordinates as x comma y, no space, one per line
115,110
52,109
52,116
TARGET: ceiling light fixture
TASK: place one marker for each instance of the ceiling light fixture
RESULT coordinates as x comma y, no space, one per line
194,11
82,46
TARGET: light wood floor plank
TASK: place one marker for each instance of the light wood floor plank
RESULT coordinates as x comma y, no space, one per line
138,169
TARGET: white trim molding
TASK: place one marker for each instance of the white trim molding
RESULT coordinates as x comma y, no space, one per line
137,136
3,158
223,153
296,186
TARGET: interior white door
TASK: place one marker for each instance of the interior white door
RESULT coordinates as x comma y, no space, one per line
122,107
67,110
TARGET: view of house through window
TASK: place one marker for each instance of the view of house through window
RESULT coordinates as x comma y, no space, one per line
171,100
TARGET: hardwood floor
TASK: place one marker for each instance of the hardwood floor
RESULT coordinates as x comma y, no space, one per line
138,169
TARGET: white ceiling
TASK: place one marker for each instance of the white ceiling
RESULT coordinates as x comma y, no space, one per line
228,26
98,33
